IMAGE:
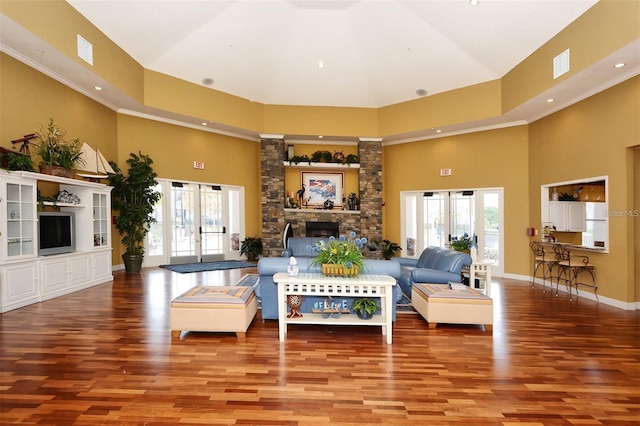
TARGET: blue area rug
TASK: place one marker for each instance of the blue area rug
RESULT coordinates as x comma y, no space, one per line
187,268
249,280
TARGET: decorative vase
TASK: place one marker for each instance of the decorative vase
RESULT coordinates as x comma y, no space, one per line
330,269
56,171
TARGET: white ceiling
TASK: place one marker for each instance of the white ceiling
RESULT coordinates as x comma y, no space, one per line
375,53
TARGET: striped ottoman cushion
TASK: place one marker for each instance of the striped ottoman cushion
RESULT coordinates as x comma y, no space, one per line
214,308
211,297
439,303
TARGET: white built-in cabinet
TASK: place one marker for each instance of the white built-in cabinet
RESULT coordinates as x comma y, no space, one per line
568,216
27,278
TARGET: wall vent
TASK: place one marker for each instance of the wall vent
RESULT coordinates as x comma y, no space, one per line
85,50
561,64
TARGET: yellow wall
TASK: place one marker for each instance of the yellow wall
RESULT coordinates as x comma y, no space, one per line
29,99
617,23
59,24
228,161
489,159
586,140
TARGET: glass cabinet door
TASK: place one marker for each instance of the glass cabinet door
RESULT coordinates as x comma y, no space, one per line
100,220
21,224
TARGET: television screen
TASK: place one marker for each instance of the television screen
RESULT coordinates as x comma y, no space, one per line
55,233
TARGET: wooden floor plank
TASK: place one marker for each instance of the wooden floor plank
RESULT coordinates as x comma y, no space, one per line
105,356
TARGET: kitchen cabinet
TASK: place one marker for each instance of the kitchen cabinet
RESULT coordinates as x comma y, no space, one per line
568,216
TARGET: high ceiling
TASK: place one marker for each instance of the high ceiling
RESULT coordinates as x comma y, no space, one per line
374,53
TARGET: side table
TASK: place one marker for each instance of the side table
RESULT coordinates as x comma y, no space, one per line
484,269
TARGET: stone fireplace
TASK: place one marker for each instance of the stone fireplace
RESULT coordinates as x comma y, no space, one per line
367,222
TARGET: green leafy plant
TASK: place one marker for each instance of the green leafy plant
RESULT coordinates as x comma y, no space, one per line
54,150
252,247
463,243
17,161
351,158
134,196
340,251
390,249
322,157
365,305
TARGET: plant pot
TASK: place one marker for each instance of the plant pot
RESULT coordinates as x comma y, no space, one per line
251,257
57,171
364,315
330,269
132,263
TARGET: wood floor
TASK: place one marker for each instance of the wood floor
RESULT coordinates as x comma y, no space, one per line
104,356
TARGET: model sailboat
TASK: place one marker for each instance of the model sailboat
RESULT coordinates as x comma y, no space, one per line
95,163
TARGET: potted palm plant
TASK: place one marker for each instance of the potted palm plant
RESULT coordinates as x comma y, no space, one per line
252,247
134,196
58,157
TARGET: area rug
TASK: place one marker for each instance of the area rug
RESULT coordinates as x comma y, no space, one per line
248,280
187,268
404,305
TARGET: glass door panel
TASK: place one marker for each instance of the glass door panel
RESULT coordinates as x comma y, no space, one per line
184,204
436,219
212,229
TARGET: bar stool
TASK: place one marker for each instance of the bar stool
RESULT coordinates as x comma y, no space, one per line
541,260
570,268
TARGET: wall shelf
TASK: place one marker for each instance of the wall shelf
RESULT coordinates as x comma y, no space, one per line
305,165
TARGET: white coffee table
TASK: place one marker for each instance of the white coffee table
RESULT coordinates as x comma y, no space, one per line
306,284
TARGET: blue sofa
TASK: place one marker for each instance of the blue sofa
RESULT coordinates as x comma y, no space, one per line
436,265
268,291
297,246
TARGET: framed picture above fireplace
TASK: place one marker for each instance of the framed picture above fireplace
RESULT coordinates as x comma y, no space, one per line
320,187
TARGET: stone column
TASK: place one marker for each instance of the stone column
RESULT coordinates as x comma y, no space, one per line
272,177
370,176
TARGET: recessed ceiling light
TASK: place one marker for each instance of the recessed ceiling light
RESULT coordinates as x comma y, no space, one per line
207,81
474,2
98,88
438,131
204,124
620,65
320,137
550,100
421,92
320,64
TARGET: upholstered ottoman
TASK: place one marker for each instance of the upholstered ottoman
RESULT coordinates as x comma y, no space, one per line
439,303
214,308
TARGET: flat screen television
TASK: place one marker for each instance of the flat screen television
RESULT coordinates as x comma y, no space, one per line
56,233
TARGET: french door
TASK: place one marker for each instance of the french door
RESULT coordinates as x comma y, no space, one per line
433,218
205,224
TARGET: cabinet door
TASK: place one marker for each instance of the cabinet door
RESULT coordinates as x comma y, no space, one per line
102,265
19,285
79,270
54,274
576,215
557,215
20,218
101,225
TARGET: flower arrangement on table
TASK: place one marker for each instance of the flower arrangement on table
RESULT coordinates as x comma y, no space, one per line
463,243
340,256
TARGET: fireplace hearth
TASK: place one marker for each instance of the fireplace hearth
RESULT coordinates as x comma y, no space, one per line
322,229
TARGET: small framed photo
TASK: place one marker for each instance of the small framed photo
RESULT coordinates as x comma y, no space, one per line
320,187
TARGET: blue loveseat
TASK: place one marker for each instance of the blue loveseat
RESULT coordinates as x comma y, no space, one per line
268,291
436,265
298,246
